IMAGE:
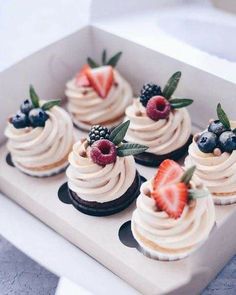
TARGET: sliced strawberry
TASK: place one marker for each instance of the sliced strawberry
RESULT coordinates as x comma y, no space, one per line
168,172
171,198
101,79
81,78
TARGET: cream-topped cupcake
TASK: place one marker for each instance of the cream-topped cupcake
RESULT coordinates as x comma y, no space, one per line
160,122
98,94
214,153
40,137
174,214
102,176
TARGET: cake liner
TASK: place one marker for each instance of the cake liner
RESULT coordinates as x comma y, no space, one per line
42,174
226,200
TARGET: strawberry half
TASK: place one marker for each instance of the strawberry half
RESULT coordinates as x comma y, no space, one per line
171,198
168,172
101,79
81,78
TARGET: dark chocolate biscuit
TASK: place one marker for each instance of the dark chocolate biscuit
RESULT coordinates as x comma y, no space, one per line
107,208
152,160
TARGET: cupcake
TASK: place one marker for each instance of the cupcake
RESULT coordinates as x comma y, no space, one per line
40,137
214,153
174,214
161,122
102,178
98,94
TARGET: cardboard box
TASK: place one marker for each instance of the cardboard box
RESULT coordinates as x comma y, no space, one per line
143,60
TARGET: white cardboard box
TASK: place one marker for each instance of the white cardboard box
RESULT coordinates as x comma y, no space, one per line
48,70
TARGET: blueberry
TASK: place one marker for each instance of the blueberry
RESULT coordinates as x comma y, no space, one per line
217,127
227,141
20,120
26,106
37,117
207,142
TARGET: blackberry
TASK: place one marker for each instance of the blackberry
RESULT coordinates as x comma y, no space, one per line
98,132
148,91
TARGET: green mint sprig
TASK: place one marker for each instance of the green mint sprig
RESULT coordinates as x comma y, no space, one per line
197,193
188,174
35,100
177,103
111,62
125,149
222,116
193,193
171,85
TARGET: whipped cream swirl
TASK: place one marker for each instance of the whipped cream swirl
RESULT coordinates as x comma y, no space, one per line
92,182
41,149
87,108
155,230
162,136
216,172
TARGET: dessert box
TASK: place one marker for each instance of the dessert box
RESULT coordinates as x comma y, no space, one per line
108,239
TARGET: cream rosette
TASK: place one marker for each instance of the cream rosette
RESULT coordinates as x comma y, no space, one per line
42,151
165,238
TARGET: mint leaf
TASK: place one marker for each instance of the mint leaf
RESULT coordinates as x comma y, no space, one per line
127,149
188,174
222,116
197,193
177,103
92,63
34,97
171,85
114,59
51,103
118,133
104,57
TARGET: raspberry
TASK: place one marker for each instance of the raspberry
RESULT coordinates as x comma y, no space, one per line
103,152
98,132
158,108
148,91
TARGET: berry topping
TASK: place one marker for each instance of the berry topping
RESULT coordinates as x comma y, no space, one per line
98,132
26,106
103,152
207,142
227,141
169,172
37,117
20,120
171,198
101,79
217,127
81,78
148,91
158,108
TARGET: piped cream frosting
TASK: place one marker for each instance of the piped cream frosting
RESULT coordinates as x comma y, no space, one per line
218,173
162,136
155,231
87,108
42,150
95,183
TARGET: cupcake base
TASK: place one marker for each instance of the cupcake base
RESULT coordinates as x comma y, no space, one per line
224,199
155,254
51,171
107,208
85,126
152,160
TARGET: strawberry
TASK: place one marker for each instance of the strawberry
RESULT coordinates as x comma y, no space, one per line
171,198
81,78
101,79
168,172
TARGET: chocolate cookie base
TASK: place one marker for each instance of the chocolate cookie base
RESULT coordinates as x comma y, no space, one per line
107,208
152,160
